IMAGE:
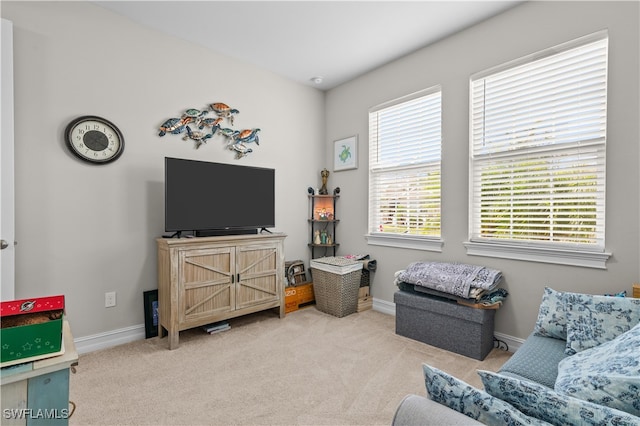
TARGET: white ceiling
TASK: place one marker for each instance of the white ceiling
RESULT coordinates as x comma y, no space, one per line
335,40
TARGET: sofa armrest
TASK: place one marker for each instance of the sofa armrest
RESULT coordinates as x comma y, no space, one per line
417,410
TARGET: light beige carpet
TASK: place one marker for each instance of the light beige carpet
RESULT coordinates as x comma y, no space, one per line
308,368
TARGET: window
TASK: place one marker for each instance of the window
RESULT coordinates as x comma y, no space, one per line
538,139
404,172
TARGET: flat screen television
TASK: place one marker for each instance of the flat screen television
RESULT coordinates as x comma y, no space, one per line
205,198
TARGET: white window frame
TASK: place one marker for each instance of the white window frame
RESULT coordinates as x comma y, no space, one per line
393,239
585,255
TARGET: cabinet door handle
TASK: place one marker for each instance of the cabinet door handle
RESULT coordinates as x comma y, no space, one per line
233,277
238,278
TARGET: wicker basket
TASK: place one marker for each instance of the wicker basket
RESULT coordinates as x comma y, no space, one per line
366,280
336,293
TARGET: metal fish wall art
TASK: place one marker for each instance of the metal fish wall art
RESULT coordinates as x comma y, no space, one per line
197,126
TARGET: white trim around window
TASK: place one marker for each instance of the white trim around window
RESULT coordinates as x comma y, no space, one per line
538,155
405,142
559,256
405,241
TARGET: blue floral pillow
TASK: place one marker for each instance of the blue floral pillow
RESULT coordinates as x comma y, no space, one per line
474,403
608,374
539,401
551,319
593,320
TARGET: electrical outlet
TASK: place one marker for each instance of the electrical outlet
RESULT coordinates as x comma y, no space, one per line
110,299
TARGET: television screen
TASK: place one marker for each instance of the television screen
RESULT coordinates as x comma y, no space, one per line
204,196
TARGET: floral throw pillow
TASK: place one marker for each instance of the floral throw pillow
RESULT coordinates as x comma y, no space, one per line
459,396
551,320
538,401
593,320
608,374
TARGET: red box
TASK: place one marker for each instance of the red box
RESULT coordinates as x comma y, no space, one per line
31,329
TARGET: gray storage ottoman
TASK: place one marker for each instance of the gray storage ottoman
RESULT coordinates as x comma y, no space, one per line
445,324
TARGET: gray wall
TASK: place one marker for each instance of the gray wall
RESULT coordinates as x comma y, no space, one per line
523,30
83,230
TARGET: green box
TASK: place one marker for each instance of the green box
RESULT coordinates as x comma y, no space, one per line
31,329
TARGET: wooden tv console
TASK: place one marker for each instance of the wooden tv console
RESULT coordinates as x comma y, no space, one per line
209,279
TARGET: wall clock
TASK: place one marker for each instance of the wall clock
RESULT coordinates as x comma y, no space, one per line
94,139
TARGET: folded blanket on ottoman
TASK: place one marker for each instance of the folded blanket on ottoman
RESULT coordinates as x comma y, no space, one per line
453,278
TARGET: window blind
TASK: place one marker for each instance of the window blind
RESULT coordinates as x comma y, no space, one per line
538,139
404,166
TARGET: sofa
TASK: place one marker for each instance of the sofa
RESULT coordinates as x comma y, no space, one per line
580,365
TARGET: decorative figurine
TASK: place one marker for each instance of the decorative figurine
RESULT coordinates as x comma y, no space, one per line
240,149
214,123
329,239
322,214
323,237
224,110
316,238
325,175
174,126
247,136
198,137
194,113
228,133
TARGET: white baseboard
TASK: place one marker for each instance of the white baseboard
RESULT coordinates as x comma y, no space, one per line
385,307
513,343
109,339
129,334
389,308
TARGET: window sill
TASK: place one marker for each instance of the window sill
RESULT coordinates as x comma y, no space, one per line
405,241
564,256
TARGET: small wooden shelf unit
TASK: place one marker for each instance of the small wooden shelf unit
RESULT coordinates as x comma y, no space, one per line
323,203
209,279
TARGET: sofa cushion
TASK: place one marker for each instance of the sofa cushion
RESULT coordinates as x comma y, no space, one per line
551,320
463,398
608,374
548,405
593,320
536,360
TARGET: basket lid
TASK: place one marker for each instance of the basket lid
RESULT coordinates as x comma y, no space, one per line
337,265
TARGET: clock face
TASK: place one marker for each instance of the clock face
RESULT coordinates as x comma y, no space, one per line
94,139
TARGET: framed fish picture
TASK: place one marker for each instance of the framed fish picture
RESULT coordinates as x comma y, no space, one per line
345,154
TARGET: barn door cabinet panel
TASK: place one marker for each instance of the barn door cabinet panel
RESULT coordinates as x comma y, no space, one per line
204,280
